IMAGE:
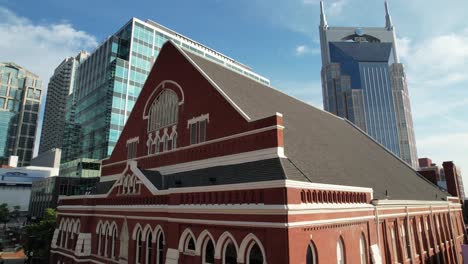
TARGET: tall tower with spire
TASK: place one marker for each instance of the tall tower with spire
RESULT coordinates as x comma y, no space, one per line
364,82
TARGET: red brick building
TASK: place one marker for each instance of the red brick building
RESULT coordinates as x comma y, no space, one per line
214,167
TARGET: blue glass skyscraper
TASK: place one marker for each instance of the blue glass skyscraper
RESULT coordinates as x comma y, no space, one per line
364,82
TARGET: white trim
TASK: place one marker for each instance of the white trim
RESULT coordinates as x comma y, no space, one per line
183,240
224,237
213,83
202,238
243,254
135,230
134,139
251,132
181,102
197,119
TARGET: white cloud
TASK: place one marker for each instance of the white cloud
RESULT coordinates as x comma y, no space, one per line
304,49
39,47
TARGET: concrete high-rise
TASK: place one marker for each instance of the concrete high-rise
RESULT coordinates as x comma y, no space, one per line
109,81
59,88
20,98
364,82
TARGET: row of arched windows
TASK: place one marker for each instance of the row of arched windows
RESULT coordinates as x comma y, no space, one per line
157,143
107,233
312,256
129,185
250,251
68,233
332,197
149,244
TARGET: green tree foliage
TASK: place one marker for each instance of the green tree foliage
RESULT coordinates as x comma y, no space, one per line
4,214
39,235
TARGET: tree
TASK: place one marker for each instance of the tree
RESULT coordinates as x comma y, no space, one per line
39,235
4,214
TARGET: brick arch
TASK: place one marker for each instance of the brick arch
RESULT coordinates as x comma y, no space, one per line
245,247
187,232
226,236
205,234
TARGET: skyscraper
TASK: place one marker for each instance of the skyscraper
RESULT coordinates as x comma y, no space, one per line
20,97
364,82
59,88
109,81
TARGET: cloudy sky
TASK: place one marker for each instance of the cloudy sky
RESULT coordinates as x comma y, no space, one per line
278,39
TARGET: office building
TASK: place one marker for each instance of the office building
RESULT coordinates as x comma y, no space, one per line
58,90
215,167
45,192
364,82
448,177
20,97
109,81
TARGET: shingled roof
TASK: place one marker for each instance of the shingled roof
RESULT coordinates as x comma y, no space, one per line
321,147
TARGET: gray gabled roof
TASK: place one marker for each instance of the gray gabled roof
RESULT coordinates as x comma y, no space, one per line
322,147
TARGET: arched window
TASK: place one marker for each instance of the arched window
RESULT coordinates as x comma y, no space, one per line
340,252
311,257
174,141
149,247
138,246
230,253
160,247
363,249
255,255
114,242
163,111
208,251
190,244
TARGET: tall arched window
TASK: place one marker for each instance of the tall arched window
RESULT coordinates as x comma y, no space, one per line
160,247
164,110
363,249
255,255
311,257
138,246
114,242
208,251
230,253
340,252
149,247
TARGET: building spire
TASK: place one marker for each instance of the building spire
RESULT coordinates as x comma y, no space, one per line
388,18
323,19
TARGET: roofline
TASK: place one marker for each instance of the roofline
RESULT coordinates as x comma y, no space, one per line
394,155
207,77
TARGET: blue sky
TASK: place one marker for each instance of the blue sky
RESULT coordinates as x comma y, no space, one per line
279,40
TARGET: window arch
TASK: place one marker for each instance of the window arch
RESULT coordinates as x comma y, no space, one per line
255,255
311,257
114,241
159,246
163,111
340,252
363,249
149,246
208,251
138,246
229,253
189,246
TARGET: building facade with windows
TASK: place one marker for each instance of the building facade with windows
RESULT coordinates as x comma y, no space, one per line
58,90
214,167
109,81
364,82
20,98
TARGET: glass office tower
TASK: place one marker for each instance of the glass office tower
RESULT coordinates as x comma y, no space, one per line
20,97
364,82
59,88
109,81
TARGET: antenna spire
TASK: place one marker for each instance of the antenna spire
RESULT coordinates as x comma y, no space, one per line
388,18
323,19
